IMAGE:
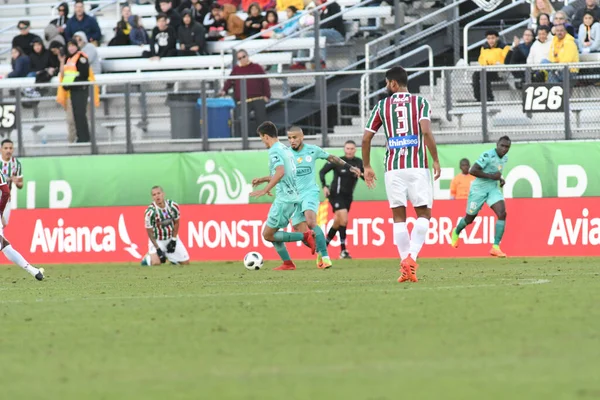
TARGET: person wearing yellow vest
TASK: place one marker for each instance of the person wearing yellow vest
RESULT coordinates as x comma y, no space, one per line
562,50
75,68
493,52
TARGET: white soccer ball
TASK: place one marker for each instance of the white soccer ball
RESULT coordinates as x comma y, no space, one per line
253,261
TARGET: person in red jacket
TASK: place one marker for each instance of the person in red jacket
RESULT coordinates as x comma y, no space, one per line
258,91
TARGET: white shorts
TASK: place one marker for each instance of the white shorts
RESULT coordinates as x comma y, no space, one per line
7,211
412,184
179,255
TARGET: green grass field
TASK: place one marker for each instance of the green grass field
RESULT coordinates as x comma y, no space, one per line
471,329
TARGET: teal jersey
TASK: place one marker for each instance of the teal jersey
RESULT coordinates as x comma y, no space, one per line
305,166
490,163
286,190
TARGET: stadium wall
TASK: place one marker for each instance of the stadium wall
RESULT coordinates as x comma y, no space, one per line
536,227
548,169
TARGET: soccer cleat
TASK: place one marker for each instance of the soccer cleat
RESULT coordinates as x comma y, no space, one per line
496,252
309,240
454,242
411,268
286,266
40,275
319,260
404,272
345,254
325,263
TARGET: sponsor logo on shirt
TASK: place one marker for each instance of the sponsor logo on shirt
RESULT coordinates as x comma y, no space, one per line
403,142
303,171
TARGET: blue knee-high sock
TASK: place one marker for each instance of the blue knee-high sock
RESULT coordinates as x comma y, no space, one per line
281,236
499,232
282,251
461,225
321,242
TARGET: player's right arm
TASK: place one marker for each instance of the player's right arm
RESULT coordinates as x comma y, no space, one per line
273,180
477,171
4,197
373,125
425,125
149,221
258,181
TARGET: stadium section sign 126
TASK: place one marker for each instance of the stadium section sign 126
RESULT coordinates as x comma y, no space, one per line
536,227
558,169
544,97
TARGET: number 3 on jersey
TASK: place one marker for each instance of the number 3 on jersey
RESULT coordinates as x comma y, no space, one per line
401,120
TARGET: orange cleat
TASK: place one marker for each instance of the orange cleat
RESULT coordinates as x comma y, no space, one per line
404,273
286,266
496,252
411,268
309,240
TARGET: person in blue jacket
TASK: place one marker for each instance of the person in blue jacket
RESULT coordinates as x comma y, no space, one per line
20,63
85,23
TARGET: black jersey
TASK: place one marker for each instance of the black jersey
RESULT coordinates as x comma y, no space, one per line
344,181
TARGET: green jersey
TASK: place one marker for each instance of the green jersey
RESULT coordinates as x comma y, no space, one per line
286,190
305,166
162,220
12,168
490,163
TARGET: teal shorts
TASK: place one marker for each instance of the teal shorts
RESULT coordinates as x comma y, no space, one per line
280,214
308,201
478,197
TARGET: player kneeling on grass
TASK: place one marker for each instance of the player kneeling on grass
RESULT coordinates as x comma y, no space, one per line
487,171
306,156
287,201
162,225
5,246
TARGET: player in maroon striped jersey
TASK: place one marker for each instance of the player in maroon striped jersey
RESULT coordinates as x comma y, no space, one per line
405,118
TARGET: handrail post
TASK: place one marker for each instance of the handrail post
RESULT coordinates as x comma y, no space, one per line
128,139
92,105
317,55
18,109
567,102
244,113
483,96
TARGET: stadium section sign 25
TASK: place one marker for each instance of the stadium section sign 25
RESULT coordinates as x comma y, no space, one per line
562,227
8,117
543,98
550,169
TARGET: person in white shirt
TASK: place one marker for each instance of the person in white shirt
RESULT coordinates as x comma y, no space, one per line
589,34
539,51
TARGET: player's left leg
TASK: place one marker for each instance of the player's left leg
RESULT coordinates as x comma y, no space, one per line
499,208
395,187
323,260
343,215
180,256
18,259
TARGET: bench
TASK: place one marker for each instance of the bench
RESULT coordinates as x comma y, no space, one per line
110,127
197,62
459,112
577,108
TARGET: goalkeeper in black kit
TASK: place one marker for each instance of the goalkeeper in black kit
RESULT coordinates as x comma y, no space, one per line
340,192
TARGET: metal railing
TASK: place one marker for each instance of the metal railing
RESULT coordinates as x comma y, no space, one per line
134,116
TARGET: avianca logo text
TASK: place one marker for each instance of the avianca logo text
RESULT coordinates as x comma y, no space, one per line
570,232
70,239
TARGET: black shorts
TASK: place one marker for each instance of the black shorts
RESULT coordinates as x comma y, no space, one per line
340,202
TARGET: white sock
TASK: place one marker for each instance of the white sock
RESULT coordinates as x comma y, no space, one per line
402,239
417,237
18,259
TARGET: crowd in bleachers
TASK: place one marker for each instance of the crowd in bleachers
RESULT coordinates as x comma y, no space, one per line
183,28
551,37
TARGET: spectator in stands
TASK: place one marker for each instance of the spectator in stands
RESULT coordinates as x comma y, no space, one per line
284,5
46,75
81,22
235,3
138,35
271,20
560,18
493,52
175,5
258,90
25,39
39,58
197,8
562,50
121,38
127,19
291,25
63,17
541,7
541,47
590,6
75,68
254,22
234,24
20,63
519,51
263,4
164,40
461,184
173,17
214,24
542,20
51,34
89,50
589,34
191,37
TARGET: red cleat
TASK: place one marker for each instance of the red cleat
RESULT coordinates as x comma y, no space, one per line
411,268
309,240
286,266
404,272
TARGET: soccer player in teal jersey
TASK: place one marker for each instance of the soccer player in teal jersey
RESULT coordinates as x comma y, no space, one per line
287,201
306,155
486,189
